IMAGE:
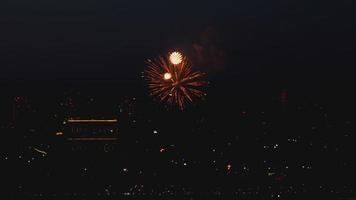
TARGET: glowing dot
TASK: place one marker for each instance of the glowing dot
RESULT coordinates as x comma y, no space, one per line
167,76
59,133
175,58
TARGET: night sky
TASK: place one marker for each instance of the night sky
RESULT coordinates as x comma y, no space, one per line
102,40
277,122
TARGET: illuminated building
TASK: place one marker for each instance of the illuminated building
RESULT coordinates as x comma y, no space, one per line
81,129
86,134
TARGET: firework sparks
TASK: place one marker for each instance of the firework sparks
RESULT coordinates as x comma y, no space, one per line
171,79
176,58
167,76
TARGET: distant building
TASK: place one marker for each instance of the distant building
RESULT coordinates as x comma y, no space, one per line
83,129
90,135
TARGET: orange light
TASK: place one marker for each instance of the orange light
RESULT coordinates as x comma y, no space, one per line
92,139
167,76
92,120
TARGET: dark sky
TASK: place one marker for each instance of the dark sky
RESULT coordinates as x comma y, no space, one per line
250,39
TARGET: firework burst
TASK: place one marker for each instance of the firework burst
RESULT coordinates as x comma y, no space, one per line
171,79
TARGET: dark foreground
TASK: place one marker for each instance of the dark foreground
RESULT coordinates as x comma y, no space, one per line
267,142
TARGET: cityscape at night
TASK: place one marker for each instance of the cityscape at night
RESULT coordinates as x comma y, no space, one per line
181,100
281,144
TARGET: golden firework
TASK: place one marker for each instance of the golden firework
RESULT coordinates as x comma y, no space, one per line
176,58
167,76
171,79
